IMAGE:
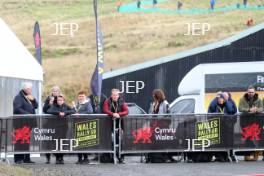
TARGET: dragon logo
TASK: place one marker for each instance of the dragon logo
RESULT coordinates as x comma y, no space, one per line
251,131
144,134
22,134
37,40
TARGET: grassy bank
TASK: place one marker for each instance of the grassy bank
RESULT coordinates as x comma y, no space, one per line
129,38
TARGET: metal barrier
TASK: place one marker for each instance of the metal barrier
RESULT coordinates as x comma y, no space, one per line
51,134
192,133
137,134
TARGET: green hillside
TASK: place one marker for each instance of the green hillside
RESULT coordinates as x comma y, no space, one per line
129,38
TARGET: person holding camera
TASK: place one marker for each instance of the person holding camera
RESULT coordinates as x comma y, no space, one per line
49,101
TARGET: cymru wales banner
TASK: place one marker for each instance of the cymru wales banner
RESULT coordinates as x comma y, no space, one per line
193,133
54,134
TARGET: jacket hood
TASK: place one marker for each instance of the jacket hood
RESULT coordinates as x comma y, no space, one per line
255,97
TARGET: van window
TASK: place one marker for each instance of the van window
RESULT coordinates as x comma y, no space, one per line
183,106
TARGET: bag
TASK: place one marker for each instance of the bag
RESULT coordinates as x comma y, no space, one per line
157,158
106,158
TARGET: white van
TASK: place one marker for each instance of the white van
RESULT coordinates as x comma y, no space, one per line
201,84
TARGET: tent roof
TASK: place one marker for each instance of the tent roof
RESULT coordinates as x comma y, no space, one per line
15,60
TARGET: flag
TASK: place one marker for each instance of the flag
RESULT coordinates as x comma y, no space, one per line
37,41
97,78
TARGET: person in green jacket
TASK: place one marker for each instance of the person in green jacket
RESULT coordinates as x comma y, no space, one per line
250,102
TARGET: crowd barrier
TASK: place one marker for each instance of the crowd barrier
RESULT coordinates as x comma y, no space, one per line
174,133
137,134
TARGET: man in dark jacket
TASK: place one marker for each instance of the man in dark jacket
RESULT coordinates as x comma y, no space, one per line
116,108
23,103
61,109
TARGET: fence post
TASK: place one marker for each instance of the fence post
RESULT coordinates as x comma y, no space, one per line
119,136
114,140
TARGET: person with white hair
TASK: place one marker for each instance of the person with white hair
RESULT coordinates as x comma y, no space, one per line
24,103
49,101
52,98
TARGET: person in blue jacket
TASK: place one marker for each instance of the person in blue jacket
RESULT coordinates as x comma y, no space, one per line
220,105
212,4
224,105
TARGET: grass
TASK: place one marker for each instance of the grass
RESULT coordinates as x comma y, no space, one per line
129,38
7,170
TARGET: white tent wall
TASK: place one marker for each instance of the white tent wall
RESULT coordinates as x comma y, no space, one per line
17,65
9,88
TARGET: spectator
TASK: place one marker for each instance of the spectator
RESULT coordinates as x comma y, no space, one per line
221,104
50,100
60,109
118,5
249,22
83,106
245,3
116,108
212,4
138,4
250,103
213,103
24,103
228,98
154,2
97,105
159,106
179,5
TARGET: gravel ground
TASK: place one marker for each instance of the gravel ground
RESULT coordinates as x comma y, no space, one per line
133,167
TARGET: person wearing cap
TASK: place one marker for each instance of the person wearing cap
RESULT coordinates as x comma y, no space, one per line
60,109
221,105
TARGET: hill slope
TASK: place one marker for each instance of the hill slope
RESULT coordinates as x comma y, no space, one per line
129,38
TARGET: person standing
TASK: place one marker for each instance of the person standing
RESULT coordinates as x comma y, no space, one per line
212,4
61,109
223,106
83,106
24,103
116,108
250,103
52,98
49,101
97,106
159,106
